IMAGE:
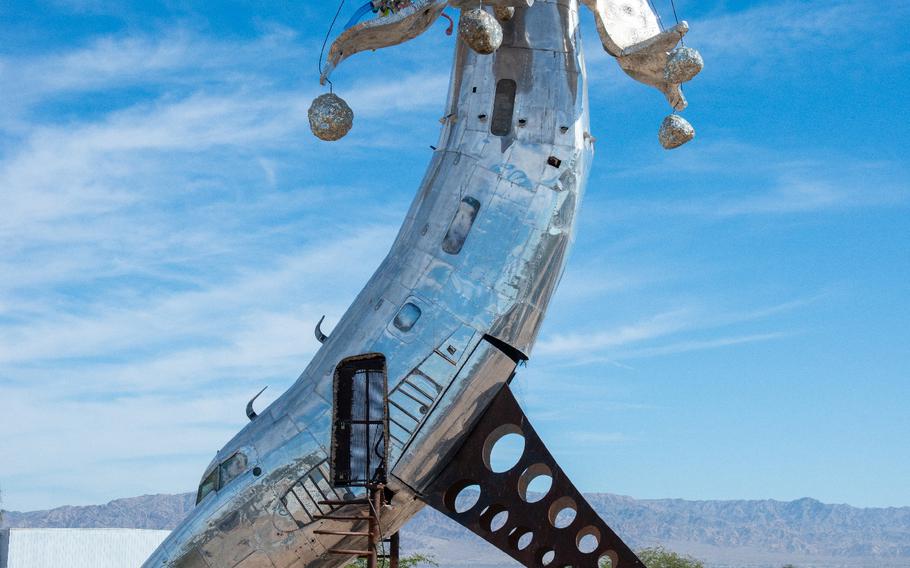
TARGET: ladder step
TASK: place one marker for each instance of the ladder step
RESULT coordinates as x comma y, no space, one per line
340,518
341,502
350,552
342,533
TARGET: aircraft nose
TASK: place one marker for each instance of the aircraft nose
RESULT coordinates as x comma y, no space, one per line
176,557
158,559
169,554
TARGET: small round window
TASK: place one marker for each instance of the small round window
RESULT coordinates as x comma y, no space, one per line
407,317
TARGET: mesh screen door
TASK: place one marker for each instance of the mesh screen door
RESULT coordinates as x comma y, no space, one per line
359,421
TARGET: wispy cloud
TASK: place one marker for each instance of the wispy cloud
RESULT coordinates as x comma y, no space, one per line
170,233
761,34
700,345
653,327
781,38
135,289
653,336
761,181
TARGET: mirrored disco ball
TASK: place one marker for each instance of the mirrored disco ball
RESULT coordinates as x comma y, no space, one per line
683,64
675,131
330,117
480,31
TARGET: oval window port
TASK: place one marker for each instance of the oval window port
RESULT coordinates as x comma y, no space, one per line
407,316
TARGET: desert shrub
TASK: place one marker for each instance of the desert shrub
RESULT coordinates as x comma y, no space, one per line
659,557
409,561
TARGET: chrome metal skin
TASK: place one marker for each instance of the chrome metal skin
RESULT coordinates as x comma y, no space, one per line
458,301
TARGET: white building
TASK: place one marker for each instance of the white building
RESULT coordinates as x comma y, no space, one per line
77,548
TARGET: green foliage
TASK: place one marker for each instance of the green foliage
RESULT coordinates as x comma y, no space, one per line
659,557
410,561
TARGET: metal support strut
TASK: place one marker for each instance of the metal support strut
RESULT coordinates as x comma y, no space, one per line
374,501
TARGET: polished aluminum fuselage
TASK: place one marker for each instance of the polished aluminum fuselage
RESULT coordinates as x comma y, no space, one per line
480,308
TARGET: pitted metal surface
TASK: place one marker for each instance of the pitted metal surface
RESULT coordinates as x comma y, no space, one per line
480,30
675,131
683,64
504,13
330,117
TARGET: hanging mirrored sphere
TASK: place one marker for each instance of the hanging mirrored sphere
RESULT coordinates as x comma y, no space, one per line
504,13
480,31
675,131
330,117
684,64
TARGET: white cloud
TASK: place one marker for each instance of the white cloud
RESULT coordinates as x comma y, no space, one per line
652,336
762,33
700,345
660,325
138,312
763,181
138,309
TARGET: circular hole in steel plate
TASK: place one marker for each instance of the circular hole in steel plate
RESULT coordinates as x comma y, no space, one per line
588,539
520,538
535,483
503,448
562,512
494,517
609,559
463,496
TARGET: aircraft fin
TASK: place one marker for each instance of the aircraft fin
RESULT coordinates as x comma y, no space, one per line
556,539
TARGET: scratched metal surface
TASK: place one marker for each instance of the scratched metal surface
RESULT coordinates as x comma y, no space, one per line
529,185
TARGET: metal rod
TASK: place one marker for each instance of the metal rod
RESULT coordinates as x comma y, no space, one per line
340,518
404,410
342,533
418,389
342,502
376,506
349,552
393,551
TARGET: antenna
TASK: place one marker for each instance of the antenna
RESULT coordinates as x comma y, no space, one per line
250,413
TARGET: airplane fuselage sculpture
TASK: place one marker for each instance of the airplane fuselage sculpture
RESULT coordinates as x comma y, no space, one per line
446,318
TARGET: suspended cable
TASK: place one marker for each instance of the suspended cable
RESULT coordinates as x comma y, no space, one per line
326,41
673,4
660,21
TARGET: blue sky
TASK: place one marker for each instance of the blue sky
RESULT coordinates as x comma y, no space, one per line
733,322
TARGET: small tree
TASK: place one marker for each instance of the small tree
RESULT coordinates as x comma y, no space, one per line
410,561
659,557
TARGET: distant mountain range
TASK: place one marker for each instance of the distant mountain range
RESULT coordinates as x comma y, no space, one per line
741,534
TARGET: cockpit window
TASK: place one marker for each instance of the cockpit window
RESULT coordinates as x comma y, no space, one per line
231,468
222,475
209,484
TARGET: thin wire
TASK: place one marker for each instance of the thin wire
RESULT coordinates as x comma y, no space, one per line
682,40
660,21
326,41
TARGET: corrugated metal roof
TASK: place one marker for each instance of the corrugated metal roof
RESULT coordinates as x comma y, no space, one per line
77,548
